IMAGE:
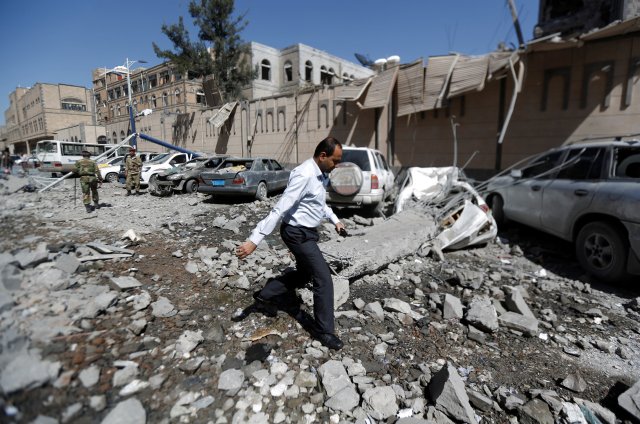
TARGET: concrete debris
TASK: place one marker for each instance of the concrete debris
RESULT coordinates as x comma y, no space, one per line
498,333
129,411
27,371
630,400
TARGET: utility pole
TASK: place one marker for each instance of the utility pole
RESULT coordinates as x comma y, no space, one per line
516,22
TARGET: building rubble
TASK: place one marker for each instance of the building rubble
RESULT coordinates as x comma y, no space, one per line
149,338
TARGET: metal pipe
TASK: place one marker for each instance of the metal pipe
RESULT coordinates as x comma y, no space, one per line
167,145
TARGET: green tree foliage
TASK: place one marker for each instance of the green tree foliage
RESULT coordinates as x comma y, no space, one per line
220,32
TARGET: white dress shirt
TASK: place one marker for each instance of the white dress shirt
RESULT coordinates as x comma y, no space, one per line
303,203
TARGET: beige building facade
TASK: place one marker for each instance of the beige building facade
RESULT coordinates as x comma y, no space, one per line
38,112
580,88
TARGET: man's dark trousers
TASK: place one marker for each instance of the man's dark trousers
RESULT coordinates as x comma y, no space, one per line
310,265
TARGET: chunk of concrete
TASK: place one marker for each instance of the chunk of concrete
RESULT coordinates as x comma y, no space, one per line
446,389
482,314
630,400
26,372
514,321
124,283
129,411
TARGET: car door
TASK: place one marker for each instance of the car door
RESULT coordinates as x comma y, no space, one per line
523,198
572,190
387,173
281,176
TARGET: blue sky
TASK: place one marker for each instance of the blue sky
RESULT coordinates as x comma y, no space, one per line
62,41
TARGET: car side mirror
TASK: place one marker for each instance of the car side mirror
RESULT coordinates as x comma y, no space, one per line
516,173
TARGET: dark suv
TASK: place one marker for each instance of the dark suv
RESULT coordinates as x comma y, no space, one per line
586,193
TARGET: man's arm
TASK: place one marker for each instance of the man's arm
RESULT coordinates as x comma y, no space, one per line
292,195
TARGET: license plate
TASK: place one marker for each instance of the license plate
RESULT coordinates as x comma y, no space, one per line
217,183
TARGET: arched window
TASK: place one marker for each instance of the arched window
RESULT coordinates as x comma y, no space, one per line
122,136
135,106
165,99
265,70
154,101
326,76
345,77
118,110
177,94
288,71
308,71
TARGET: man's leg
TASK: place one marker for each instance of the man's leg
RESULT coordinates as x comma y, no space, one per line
94,194
86,195
128,183
309,260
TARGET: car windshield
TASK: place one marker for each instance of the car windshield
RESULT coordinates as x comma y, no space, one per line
159,159
359,157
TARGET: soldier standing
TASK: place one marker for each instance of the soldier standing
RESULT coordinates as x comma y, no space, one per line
132,167
89,174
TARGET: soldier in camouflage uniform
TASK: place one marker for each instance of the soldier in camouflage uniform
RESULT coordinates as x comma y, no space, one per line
87,170
132,166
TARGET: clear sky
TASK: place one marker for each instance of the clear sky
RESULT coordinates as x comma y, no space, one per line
61,41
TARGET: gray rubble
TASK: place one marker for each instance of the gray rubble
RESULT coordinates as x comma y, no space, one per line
479,335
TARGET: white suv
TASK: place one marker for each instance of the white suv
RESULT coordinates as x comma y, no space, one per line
152,168
363,179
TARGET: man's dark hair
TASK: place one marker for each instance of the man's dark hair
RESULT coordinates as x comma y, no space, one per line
328,146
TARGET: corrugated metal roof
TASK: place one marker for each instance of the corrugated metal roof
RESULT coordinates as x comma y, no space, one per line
410,88
499,61
220,117
439,70
352,91
469,74
381,88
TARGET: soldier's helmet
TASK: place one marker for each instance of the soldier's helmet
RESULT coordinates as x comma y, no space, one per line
86,154
132,149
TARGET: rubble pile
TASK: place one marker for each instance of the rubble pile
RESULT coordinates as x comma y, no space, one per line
139,314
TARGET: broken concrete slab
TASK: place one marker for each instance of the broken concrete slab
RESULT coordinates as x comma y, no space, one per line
630,400
514,321
27,371
67,263
400,235
129,411
482,314
124,283
446,389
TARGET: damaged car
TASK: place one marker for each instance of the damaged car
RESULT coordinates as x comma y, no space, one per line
184,177
255,177
363,179
462,216
586,193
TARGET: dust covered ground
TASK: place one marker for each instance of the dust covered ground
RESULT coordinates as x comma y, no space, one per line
585,328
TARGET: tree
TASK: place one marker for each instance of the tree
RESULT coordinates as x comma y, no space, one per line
220,52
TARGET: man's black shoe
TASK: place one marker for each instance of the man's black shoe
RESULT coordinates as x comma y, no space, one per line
88,208
329,340
97,206
266,307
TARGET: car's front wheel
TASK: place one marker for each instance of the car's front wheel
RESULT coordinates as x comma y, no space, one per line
112,177
602,251
191,186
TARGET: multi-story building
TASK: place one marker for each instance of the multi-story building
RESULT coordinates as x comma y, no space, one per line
38,112
171,99
159,89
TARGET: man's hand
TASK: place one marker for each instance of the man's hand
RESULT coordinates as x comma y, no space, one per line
340,227
245,249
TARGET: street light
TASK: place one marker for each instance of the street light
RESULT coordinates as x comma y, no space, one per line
126,69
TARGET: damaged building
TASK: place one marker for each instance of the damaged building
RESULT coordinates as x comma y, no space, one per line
499,107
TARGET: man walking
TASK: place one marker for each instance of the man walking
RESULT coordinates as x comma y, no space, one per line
89,174
132,166
302,209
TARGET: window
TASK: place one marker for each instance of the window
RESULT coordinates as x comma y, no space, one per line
177,94
276,166
582,164
118,110
326,76
541,166
627,162
154,101
288,71
200,99
165,99
265,70
153,81
308,71
122,136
